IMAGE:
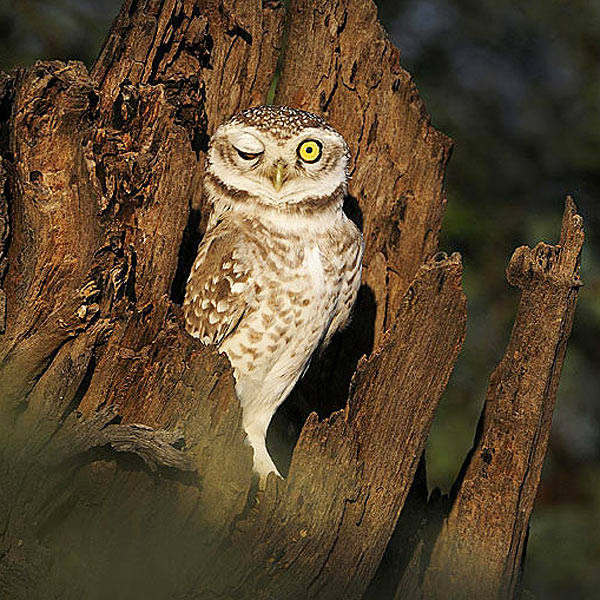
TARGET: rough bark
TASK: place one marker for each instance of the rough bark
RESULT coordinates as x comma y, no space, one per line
350,72
122,459
322,531
482,543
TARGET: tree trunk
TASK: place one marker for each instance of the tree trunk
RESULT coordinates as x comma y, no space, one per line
124,472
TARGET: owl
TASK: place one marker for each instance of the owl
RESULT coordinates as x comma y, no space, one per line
279,267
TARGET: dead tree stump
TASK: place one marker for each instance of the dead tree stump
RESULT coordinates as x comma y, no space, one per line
123,469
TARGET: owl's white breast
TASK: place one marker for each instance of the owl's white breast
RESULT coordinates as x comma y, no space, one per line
314,267
293,312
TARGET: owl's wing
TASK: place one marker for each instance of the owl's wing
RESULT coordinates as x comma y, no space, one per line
219,289
351,251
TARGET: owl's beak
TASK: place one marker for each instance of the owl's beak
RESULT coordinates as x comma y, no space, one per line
277,175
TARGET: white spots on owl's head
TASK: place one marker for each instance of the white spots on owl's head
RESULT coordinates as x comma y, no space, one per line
280,121
278,156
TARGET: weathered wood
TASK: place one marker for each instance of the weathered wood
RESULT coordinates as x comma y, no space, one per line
6,99
481,547
123,466
323,530
339,62
50,292
227,49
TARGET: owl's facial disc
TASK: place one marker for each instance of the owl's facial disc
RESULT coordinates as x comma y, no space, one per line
289,158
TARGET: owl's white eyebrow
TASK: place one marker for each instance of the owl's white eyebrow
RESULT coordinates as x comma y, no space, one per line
246,142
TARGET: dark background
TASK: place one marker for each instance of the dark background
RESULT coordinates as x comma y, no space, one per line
517,86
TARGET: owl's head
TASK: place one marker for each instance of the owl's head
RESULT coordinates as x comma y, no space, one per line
280,157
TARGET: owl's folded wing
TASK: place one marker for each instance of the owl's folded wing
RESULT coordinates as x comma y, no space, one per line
218,291
350,252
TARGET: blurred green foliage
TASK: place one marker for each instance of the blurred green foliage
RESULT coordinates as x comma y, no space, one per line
517,86
53,29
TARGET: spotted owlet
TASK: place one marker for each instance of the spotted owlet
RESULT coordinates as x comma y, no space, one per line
279,267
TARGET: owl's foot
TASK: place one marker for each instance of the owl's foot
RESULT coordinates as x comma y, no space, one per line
263,463
256,422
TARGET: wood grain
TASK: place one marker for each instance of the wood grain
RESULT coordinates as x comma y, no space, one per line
481,547
123,466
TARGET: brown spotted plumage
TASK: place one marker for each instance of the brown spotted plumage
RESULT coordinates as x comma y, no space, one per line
278,270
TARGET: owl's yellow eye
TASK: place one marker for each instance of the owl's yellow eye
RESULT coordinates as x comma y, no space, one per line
310,151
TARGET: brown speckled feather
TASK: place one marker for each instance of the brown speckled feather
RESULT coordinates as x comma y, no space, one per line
219,291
